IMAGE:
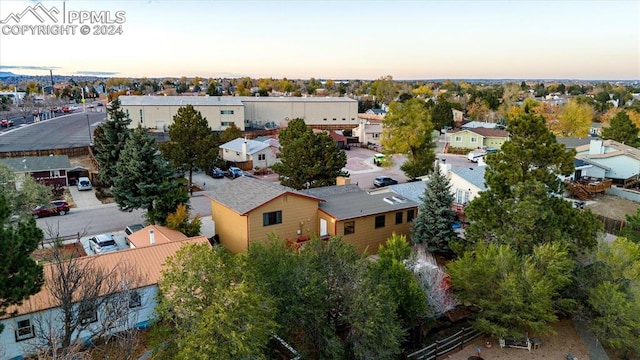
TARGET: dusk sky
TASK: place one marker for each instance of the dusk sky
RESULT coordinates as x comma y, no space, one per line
597,40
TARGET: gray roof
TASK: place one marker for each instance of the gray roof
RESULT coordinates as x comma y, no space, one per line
244,194
474,175
572,143
252,145
37,163
477,124
330,191
413,191
180,100
353,204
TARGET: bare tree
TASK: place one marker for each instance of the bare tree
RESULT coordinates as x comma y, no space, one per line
91,303
433,280
26,106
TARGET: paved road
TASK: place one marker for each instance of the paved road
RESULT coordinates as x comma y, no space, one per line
71,130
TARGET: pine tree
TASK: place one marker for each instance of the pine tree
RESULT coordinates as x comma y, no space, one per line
433,225
622,130
109,140
141,173
20,275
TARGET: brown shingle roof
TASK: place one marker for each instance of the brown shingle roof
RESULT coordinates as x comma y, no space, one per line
161,234
148,261
490,132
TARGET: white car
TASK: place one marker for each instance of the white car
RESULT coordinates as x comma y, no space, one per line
103,243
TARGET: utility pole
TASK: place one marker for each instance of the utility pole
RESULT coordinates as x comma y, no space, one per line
89,126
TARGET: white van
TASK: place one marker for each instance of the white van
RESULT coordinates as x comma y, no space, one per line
84,184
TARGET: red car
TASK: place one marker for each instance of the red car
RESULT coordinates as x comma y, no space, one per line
56,207
66,109
6,123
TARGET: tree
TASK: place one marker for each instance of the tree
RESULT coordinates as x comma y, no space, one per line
516,294
230,133
407,130
434,224
441,115
610,286
574,120
622,130
521,206
22,194
308,159
330,306
141,173
20,275
384,89
192,143
632,228
208,308
110,138
179,221
478,110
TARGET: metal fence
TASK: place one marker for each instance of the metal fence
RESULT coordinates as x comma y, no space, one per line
456,341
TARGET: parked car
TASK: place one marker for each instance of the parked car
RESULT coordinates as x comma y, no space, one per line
381,181
216,173
131,229
102,243
56,207
234,172
84,184
379,159
6,123
66,109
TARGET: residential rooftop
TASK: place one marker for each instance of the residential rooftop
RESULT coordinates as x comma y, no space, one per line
37,163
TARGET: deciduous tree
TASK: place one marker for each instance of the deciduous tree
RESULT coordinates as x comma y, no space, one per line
179,220
384,89
434,224
407,130
208,309
622,130
441,115
22,194
109,140
230,133
308,159
192,143
574,120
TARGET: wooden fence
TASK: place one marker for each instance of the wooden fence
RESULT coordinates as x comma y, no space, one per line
67,239
71,152
447,345
612,226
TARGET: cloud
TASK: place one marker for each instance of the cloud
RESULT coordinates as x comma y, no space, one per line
22,67
96,73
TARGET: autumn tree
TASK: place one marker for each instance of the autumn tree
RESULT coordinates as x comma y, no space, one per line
384,89
308,159
109,140
434,224
20,275
522,206
232,132
407,130
179,220
622,130
209,309
516,293
192,143
442,115
574,120
478,110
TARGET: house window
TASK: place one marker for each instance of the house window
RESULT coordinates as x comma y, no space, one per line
226,123
399,218
325,119
135,300
54,173
140,115
353,119
474,139
349,227
379,221
262,157
458,139
87,313
375,135
343,119
272,218
334,119
226,112
462,196
24,330
410,215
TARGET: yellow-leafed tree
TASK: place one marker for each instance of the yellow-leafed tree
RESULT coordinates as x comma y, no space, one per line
574,120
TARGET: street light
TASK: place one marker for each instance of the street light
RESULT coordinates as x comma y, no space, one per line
89,126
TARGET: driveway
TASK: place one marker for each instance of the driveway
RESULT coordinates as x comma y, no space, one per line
84,199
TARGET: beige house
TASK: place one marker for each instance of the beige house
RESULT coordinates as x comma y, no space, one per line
246,210
458,115
369,130
259,154
331,113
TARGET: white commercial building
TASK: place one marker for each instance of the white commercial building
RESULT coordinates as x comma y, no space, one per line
156,112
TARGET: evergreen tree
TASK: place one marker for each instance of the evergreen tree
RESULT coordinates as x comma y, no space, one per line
141,173
20,275
631,229
522,205
308,159
622,130
109,140
433,225
192,143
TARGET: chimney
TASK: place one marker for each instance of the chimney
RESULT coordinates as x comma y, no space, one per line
152,237
244,149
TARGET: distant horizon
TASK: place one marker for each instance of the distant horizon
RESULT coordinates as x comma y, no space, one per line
431,39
